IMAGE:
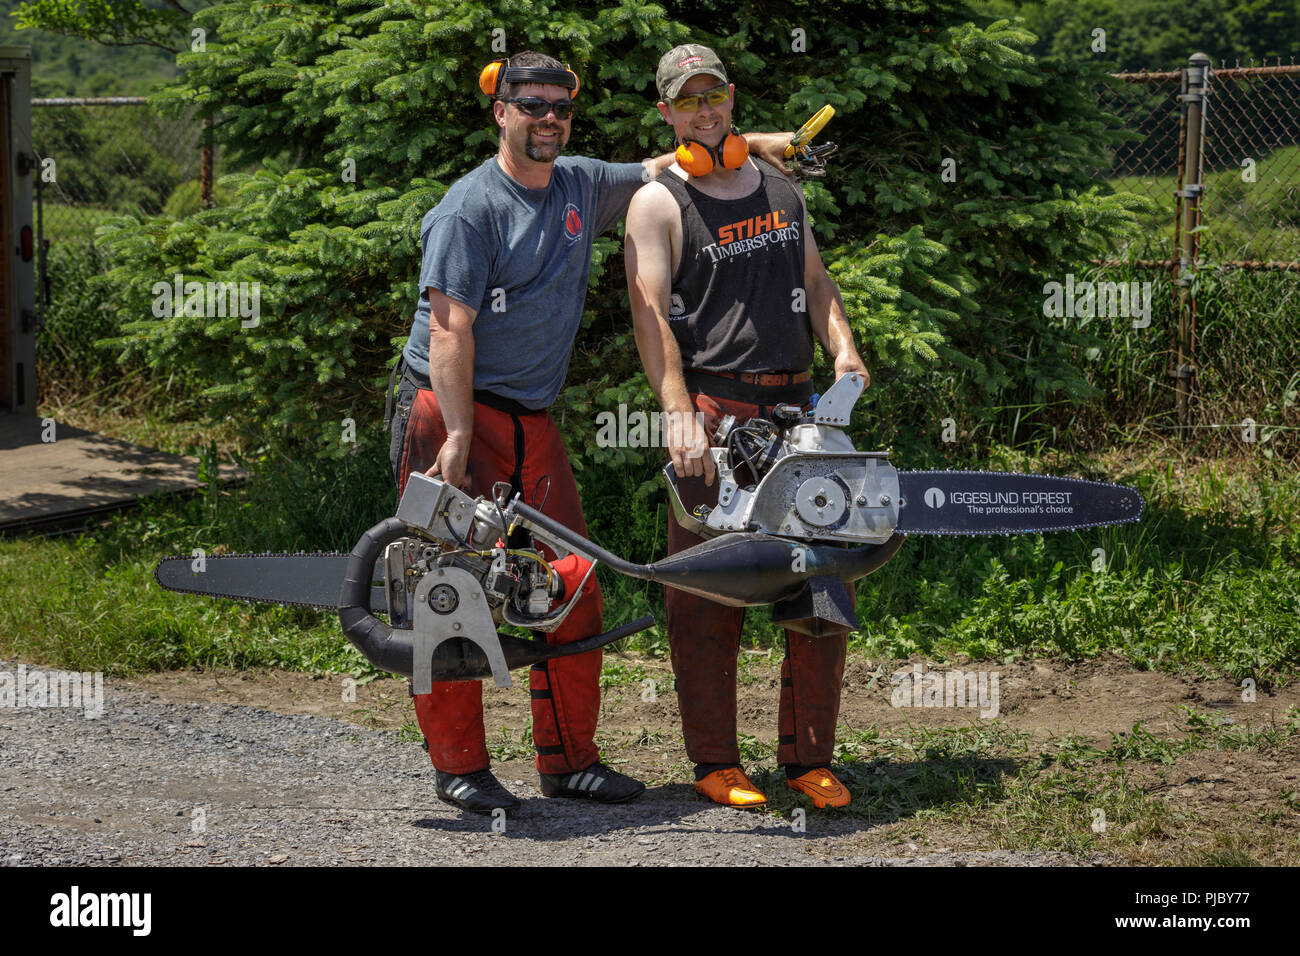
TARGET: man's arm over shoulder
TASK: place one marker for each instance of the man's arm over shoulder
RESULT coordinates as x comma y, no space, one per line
612,187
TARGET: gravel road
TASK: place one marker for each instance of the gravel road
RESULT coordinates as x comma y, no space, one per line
156,783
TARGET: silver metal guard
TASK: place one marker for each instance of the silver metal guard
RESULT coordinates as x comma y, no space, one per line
859,489
450,515
821,489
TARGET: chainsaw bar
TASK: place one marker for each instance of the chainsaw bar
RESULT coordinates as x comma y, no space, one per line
1001,502
301,579
930,502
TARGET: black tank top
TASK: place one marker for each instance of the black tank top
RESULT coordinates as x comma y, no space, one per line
738,297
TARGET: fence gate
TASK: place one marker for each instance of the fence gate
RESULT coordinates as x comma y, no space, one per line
1235,181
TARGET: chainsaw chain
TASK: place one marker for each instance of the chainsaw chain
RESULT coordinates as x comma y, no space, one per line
248,554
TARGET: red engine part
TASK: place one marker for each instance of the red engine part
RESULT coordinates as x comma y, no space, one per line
572,568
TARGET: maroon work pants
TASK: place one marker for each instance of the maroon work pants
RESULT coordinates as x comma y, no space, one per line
704,638
527,451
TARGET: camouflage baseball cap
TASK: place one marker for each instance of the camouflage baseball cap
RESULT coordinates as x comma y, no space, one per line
683,62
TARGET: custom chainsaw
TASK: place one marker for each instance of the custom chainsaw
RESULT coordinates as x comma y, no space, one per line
811,160
796,515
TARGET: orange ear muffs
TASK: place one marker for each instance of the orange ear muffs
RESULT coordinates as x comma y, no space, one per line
735,150
699,159
500,71
489,79
695,158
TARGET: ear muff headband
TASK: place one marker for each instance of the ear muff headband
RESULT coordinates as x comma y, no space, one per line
699,159
499,72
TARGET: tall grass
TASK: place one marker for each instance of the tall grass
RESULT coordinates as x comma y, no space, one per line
1247,362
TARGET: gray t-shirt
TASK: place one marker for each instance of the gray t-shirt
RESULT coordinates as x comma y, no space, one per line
520,257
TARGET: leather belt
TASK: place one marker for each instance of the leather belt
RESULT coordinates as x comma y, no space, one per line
492,400
769,379
738,388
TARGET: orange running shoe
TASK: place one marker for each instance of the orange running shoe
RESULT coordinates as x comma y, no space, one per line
731,788
822,786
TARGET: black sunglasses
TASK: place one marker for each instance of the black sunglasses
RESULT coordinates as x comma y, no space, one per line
537,108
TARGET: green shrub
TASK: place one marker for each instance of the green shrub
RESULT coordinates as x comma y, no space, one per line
76,319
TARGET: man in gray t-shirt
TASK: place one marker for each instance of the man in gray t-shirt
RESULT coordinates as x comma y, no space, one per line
520,257
506,255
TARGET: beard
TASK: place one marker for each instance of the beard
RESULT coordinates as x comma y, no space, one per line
544,152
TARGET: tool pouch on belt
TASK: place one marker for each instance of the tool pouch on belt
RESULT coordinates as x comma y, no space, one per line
395,419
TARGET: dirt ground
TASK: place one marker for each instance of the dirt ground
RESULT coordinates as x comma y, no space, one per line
1092,700
1219,800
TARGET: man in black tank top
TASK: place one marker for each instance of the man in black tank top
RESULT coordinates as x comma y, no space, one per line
728,291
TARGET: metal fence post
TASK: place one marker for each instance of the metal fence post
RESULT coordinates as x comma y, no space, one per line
1194,99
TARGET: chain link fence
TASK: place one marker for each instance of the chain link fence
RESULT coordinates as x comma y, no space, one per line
1146,108
1217,153
96,159
1252,162
108,156
1249,156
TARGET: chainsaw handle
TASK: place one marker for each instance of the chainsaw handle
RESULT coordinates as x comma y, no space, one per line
809,129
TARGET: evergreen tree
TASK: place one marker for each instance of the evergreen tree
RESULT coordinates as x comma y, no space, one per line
962,184
1157,34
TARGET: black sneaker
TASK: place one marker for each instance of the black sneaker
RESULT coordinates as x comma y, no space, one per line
477,792
597,782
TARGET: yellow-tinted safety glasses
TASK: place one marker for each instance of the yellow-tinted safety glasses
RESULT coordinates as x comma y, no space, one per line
690,102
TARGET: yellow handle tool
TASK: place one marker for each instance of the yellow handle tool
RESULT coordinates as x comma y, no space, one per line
809,129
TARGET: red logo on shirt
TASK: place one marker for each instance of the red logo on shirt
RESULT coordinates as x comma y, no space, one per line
572,222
